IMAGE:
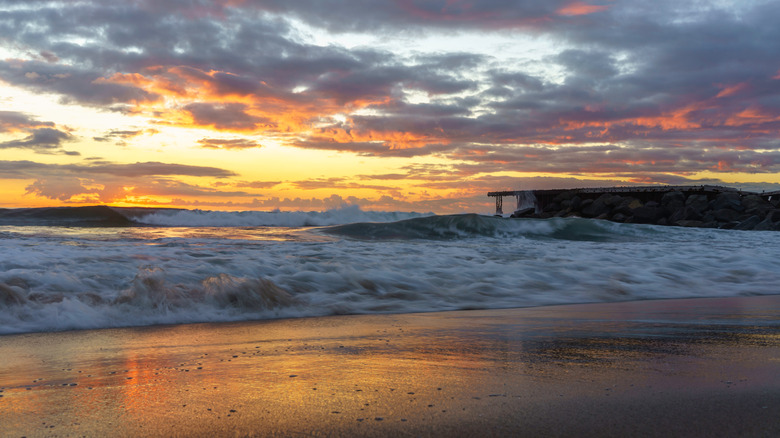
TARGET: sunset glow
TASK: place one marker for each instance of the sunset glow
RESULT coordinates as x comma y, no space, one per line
394,105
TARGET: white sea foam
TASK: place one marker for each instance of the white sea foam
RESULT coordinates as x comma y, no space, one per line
59,279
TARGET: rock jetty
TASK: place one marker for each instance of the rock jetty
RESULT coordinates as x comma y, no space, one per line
727,210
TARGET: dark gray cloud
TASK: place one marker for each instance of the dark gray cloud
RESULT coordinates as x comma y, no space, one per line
41,137
227,116
11,121
75,85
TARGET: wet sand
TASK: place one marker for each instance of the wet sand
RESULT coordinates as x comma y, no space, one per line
702,367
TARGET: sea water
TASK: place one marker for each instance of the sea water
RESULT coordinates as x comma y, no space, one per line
181,266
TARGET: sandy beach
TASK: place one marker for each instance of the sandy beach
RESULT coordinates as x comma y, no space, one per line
695,367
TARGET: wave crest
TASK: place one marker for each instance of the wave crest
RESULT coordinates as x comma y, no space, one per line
475,226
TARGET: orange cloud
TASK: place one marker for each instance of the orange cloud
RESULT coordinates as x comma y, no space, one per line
580,8
728,90
750,116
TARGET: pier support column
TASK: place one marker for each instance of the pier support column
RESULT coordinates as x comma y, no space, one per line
499,205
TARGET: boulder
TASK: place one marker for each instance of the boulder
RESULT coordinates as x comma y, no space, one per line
691,213
626,205
673,200
726,215
749,223
755,202
576,203
773,215
597,208
647,214
619,217
697,203
523,212
613,200
565,196
765,225
730,200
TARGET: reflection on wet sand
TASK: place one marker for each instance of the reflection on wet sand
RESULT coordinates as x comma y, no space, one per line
568,369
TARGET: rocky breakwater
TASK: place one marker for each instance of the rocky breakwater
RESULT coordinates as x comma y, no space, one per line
728,210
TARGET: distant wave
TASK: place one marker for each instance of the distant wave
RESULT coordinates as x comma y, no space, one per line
204,218
474,226
104,216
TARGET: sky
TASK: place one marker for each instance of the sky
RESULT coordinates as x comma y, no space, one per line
396,105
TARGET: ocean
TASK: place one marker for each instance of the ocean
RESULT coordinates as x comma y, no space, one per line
98,267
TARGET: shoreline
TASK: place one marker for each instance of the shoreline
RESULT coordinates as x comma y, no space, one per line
693,367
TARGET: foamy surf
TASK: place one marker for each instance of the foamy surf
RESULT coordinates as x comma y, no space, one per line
61,278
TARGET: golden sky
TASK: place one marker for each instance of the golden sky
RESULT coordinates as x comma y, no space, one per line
404,105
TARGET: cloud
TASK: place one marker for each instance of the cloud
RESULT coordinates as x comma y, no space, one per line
234,143
42,137
337,183
124,134
224,116
75,85
107,182
631,88
13,121
72,189
30,169
62,188
580,8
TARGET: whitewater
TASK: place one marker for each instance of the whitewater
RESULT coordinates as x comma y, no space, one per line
186,266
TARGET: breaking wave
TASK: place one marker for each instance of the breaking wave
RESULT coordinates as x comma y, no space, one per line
477,226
